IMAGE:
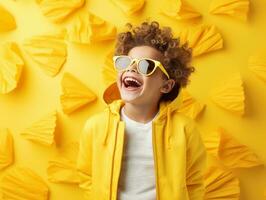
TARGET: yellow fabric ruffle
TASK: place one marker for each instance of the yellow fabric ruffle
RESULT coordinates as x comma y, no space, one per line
11,65
49,51
235,155
23,184
235,8
230,95
180,10
202,39
257,64
58,10
42,131
90,28
6,149
108,71
129,7
7,21
190,107
221,184
75,94
63,168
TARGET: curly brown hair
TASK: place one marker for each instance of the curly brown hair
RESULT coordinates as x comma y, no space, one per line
176,59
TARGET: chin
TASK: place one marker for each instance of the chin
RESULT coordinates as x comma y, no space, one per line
129,97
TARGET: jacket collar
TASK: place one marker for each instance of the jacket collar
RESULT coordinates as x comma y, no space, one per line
166,109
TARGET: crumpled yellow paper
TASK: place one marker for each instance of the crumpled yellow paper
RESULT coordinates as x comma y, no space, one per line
108,71
221,184
58,10
190,106
90,28
7,21
75,94
129,7
6,148
180,10
49,51
11,65
42,131
202,39
63,168
235,8
230,95
23,184
257,64
229,151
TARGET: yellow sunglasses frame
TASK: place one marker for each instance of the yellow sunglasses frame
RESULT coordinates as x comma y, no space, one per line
157,64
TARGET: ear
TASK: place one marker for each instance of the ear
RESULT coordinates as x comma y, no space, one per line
167,86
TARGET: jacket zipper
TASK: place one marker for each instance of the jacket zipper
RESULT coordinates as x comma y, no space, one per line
155,161
121,162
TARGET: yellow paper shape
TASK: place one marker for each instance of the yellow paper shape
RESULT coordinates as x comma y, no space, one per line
235,155
7,21
58,10
202,39
180,10
49,51
190,107
75,94
90,28
6,149
129,7
212,142
23,184
63,169
235,8
221,184
108,71
11,65
257,64
42,131
230,95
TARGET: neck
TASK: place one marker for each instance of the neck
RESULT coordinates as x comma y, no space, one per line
141,113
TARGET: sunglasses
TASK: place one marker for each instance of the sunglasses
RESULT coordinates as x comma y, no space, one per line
145,66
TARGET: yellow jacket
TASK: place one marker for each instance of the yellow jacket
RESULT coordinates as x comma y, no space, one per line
179,154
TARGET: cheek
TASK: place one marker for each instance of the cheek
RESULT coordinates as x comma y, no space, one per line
154,83
119,76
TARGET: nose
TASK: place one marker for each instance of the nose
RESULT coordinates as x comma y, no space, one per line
132,68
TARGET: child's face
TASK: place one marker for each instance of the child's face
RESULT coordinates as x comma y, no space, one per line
148,89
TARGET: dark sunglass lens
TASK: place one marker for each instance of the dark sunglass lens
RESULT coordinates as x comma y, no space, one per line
122,63
146,66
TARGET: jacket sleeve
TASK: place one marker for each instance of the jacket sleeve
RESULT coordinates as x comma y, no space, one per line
196,163
84,159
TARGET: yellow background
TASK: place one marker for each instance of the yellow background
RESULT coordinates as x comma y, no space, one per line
37,94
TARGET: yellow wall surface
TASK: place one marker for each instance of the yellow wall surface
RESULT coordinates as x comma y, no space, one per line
38,94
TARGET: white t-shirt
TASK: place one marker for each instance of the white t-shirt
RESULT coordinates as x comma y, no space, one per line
137,178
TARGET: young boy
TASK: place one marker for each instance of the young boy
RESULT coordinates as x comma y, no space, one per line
141,147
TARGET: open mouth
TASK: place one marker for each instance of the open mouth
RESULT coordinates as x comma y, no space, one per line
131,83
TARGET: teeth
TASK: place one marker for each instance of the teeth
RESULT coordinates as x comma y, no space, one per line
132,79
